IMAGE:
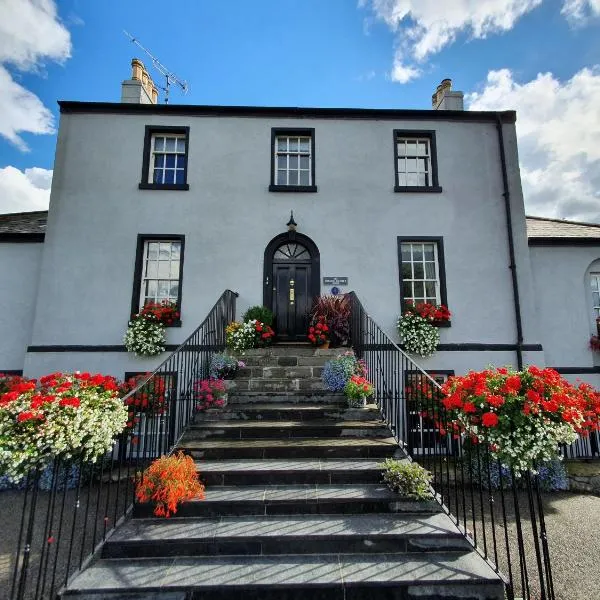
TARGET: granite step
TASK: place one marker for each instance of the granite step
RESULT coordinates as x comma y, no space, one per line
228,429
286,411
308,499
290,471
408,576
237,396
300,534
277,384
279,372
285,361
338,447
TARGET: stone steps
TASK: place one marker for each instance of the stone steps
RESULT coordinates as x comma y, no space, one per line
290,471
295,534
308,499
390,576
288,411
262,429
295,508
289,448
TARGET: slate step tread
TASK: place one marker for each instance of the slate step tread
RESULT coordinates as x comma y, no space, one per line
282,464
324,423
308,571
189,443
303,526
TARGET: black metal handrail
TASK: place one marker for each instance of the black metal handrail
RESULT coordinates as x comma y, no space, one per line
503,522
61,529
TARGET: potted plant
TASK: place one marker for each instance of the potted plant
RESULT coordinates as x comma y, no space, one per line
259,313
210,393
418,327
224,366
66,415
522,417
169,481
250,334
336,312
357,390
318,332
338,370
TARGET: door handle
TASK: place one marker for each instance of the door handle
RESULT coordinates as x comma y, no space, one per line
292,295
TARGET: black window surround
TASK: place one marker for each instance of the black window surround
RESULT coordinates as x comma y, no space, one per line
139,263
304,132
155,130
417,133
11,372
439,241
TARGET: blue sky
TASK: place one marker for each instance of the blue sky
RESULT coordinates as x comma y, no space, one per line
540,57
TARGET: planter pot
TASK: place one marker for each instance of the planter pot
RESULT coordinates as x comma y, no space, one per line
325,345
225,398
357,402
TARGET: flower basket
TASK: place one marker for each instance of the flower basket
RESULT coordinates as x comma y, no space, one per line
318,332
357,389
522,417
418,327
210,393
169,481
71,416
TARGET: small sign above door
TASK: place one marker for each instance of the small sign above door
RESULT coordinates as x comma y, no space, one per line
335,281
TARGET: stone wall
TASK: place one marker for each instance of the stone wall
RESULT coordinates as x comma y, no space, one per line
584,477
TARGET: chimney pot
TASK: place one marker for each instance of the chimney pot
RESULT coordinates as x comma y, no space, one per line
140,89
445,99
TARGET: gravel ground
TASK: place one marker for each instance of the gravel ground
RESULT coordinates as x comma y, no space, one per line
572,522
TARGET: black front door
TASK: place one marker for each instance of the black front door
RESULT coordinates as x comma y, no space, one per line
292,300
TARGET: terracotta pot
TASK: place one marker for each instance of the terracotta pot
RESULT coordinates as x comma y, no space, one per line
325,345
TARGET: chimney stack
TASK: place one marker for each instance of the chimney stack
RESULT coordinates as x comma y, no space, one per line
445,99
140,89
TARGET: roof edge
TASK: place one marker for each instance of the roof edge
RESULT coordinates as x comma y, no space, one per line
564,241
563,221
70,106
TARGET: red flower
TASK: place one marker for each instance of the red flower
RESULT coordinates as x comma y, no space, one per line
26,416
74,402
469,407
489,419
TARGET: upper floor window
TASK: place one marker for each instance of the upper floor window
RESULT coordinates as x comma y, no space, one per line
595,281
159,271
415,161
422,272
293,160
165,158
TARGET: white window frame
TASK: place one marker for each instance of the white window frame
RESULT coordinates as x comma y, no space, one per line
179,151
289,155
595,288
144,278
403,158
436,280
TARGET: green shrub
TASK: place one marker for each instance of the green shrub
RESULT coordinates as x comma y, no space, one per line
260,313
407,479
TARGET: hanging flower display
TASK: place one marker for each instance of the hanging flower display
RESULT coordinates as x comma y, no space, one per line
165,312
63,415
418,327
522,416
145,335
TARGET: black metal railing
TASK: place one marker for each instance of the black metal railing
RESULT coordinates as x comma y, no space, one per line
502,516
62,527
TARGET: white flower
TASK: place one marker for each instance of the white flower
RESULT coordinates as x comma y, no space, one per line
145,336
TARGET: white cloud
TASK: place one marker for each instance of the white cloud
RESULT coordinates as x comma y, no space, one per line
558,124
579,10
21,110
403,73
22,191
424,27
30,33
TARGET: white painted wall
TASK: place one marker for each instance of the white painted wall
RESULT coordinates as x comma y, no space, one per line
19,274
228,217
564,304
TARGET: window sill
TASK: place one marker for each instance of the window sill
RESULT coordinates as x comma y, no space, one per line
432,189
164,186
292,188
442,324
174,324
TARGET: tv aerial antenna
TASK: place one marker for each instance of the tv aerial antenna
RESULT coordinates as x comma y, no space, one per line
169,76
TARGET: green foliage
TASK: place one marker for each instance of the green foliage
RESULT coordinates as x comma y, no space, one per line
407,479
260,313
